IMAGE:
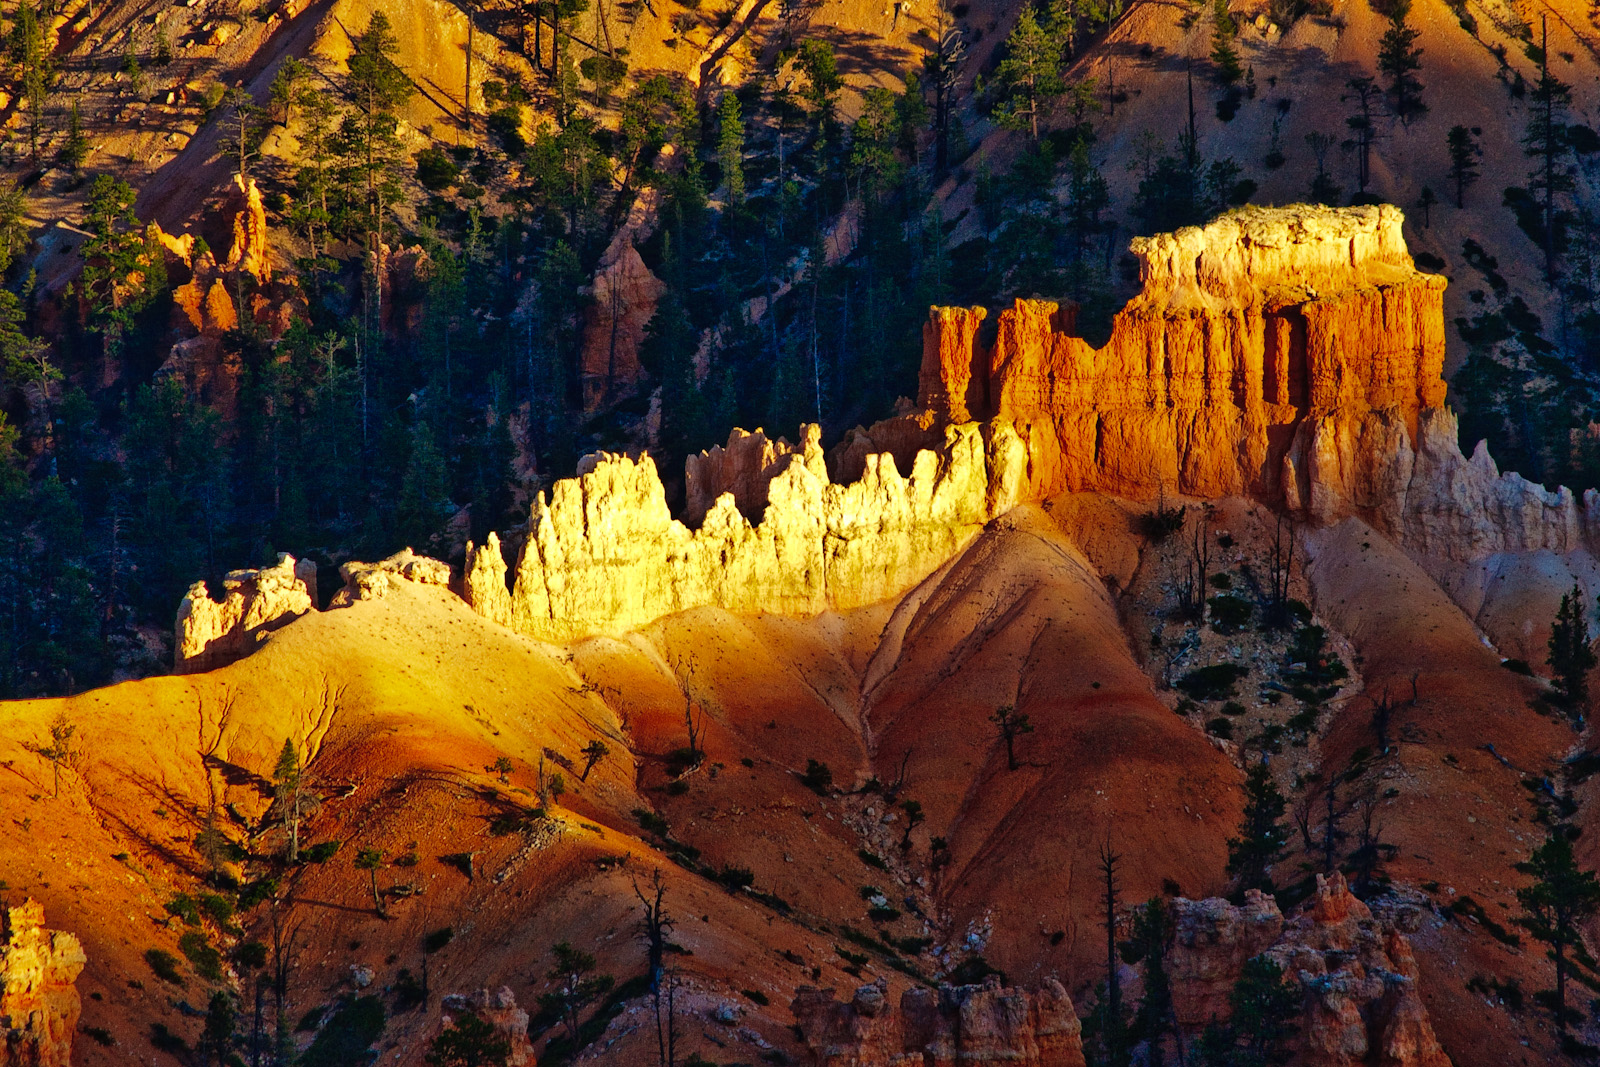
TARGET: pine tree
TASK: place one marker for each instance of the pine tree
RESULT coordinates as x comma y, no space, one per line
1464,152
369,860
819,67
1570,657
1223,54
377,88
288,785
1547,142
576,987
1152,935
75,149
1261,832
1029,78
1362,127
114,254
1561,897
1399,59
469,1042
943,67
730,147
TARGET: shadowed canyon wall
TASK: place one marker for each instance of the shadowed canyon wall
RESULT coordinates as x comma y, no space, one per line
1292,355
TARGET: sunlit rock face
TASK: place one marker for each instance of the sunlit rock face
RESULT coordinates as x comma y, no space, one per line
1291,355
1263,323
255,602
39,1004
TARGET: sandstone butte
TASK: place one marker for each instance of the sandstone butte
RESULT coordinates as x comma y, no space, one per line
39,1005
1290,355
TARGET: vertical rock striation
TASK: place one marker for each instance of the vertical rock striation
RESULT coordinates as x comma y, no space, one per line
39,1005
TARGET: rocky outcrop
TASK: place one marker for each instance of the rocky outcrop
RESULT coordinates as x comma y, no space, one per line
1245,329
625,293
374,581
256,602
745,468
1292,355
1212,941
249,251
483,586
975,1024
1356,973
605,555
39,1005
498,1009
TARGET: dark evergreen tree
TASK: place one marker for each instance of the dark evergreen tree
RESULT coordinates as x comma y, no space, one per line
1399,59
1547,142
1571,658
1262,835
1464,154
1562,896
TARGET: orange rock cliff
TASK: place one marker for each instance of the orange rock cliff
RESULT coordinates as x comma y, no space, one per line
39,1005
1292,355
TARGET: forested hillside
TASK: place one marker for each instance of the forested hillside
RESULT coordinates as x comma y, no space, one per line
411,261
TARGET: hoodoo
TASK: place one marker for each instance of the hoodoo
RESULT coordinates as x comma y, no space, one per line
1291,355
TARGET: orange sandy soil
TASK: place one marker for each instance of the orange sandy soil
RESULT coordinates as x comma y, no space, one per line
404,702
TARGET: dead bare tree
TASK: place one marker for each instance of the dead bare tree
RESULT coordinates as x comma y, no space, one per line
1280,567
1197,569
653,930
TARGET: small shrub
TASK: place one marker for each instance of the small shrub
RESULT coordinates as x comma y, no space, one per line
973,970
321,852
756,996
871,860
217,908
436,170
101,1036
1160,524
165,1040
408,992
736,877
1215,682
251,955
1221,580
818,778
1220,727
200,953
508,823
883,914
183,906
870,893
1429,262
652,823
676,788
1233,707
1517,666
165,965
434,940
1229,614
